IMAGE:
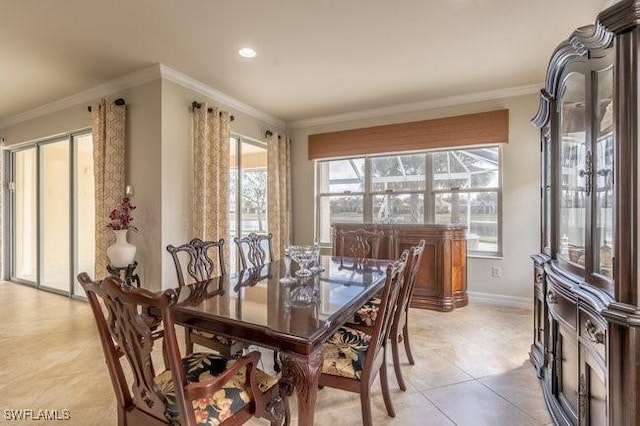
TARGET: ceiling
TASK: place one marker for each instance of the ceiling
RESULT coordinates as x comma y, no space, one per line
315,58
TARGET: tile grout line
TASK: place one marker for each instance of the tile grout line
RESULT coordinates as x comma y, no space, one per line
509,402
438,408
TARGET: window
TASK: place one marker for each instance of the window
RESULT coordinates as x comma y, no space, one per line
248,190
453,186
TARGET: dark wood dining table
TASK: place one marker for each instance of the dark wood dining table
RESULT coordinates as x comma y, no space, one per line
254,306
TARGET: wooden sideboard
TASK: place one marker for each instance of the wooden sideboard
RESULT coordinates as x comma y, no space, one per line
442,281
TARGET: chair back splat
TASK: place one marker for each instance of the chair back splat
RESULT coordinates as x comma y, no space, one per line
201,265
198,259
255,249
360,243
392,289
399,330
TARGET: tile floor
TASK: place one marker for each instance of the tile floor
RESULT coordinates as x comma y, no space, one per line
472,367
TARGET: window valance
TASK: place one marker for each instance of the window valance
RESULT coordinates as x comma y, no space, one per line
463,130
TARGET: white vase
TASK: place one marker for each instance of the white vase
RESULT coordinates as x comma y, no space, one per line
121,253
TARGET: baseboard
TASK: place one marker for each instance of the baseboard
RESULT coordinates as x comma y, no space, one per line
500,300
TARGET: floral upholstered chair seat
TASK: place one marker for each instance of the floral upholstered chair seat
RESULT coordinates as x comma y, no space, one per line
221,339
367,314
345,353
213,410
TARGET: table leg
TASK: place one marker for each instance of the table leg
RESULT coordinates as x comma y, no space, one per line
304,371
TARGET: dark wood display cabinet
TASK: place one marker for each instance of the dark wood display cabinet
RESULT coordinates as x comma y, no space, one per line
586,336
442,279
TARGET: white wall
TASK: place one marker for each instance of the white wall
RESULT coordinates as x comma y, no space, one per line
176,177
142,162
520,197
143,170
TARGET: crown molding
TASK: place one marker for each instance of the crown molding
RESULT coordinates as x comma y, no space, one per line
418,106
157,71
205,90
133,79
500,300
137,78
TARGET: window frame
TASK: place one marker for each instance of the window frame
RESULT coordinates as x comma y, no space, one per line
429,192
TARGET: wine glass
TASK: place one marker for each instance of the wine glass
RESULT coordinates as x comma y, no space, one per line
303,256
287,279
304,294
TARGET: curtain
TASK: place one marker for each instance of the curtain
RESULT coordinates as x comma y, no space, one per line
210,208
279,191
108,127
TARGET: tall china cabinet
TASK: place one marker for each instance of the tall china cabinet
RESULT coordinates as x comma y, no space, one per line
586,337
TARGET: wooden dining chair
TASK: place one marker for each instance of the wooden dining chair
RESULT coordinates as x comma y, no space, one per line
358,244
366,316
254,249
201,388
195,258
399,327
353,359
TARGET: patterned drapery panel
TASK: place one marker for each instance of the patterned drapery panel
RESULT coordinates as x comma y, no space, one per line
108,127
210,210
279,191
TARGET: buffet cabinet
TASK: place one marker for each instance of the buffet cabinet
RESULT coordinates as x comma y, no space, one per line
586,335
442,279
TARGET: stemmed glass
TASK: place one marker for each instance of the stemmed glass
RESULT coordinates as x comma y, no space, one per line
303,256
305,293
287,279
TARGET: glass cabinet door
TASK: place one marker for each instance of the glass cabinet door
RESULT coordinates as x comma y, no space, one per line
603,159
573,174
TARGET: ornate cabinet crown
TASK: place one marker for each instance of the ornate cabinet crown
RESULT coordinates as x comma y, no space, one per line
586,346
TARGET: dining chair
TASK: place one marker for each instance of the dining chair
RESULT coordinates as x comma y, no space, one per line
399,326
353,359
195,258
365,318
201,388
254,249
358,244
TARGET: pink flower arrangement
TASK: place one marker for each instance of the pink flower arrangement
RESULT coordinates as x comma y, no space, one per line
120,217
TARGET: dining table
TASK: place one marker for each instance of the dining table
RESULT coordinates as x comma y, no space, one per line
295,319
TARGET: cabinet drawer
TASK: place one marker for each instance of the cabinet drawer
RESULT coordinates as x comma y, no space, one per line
593,332
562,308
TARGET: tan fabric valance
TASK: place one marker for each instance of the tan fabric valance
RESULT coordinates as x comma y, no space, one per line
462,130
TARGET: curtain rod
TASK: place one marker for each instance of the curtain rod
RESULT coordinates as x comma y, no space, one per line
118,102
196,104
269,133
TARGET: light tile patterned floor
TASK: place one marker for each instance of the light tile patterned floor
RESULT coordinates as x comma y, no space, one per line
472,367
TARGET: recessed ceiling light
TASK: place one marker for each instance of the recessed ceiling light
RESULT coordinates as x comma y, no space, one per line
247,52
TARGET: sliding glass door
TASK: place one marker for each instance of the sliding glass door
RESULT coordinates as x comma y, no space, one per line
25,216
53,213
